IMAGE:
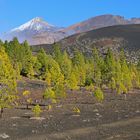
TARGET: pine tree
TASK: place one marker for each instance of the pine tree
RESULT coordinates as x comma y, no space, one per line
82,75
41,63
27,97
109,67
78,59
72,82
21,57
27,60
57,54
135,73
55,71
89,72
7,82
49,94
48,79
79,66
13,49
60,91
126,75
66,65
98,67
99,94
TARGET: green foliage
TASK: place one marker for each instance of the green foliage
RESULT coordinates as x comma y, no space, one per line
26,93
21,57
79,67
57,54
48,69
72,82
55,92
27,60
59,89
135,75
66,65
89,68
99,94
109,67
13,50
40,65
112,83
49,94
37,110
61,71
90,87
8,92
27,98
54,69
98,68
76,110
121,89
126,76
78,58
48,79
49,107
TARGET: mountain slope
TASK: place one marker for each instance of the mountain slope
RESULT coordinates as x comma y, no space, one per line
36,24
100,22
36,31
114,37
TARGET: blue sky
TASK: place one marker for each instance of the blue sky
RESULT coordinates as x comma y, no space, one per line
62,12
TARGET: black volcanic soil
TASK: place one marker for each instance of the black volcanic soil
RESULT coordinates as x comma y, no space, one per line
115,37
116,118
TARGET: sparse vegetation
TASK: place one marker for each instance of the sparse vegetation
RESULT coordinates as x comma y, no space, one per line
8,91
37,110
61,72
76,110
99,94
28,99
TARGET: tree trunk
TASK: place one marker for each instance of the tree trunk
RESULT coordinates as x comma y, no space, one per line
27,106
124,96
1,112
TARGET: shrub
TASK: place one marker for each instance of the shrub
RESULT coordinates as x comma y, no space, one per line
26,95
49,94
99,94
37,110
76,110
90,87
121,89
49,107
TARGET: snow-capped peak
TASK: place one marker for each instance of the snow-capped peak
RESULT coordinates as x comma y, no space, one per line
37,19
35,24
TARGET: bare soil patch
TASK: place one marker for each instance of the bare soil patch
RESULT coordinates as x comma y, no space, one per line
116,118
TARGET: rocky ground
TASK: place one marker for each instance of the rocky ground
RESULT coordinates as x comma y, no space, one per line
116,118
